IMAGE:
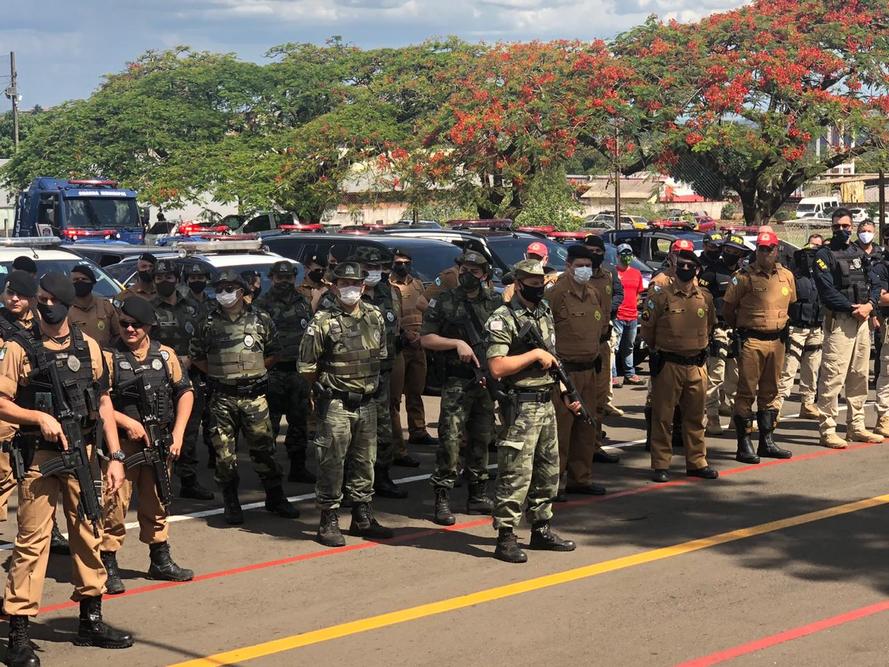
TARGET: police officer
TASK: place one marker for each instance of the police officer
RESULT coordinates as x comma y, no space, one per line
538,251
756,305
138,359
196,278
805,337
466,405
676,325
144,283
94,315
579,317
254,285
288,390
313,279
841,275
26,401
341,352
528,448
234,347
177,319
879,275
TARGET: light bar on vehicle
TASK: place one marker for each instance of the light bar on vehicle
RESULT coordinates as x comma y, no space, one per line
75,234
92,182
30,241
540,229
302,228
244,245
198,228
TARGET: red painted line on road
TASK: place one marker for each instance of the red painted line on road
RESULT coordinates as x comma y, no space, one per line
786,636
360,546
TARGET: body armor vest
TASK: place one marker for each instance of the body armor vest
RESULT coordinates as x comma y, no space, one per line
850,274
10,325
411,317
806,310
237,350
291,316
176,324
153,372
716,279
455,306
765,307
382,299
352,352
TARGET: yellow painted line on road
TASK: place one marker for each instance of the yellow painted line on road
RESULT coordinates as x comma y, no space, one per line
240,655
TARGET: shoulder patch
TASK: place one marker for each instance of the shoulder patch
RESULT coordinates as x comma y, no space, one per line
433,301
821,264
310,330
656,288
734,280
495,325
2,352
438,280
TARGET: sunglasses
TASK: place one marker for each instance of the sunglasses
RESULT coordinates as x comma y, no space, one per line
228,289
686,267
130,324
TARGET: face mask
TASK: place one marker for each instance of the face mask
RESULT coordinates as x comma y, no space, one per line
227,299
597,261
582,274
281,288
166,288
866,237
712,255
841,236
626,260
146,276
531,294
731,261
685,275
469,282
197,286
82,289
350,295
373,278
316,275
52,314
401,270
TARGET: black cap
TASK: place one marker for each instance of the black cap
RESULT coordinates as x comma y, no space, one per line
230,276
366,254
349,271
139,309
85,270
401,252
59,286
165,266
282,268
25,263
317,259
22,283
148,257
688,256
339,252
579,251
198,269
594,241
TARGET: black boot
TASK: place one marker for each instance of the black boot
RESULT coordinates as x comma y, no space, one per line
544,539
385,487
766,420
57,544
191,488
92,630
365,525
478,501
647,412
299,473
231,505
114,584
19,652
163,567
508,547
442,510
276,502
329,530
745,445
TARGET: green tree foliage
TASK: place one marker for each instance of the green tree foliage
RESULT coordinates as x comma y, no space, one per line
550,201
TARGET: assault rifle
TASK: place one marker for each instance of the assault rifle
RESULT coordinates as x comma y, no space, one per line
473,331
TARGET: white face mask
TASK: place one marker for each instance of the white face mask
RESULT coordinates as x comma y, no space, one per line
866,237
227,299
582,274
350,295
373,278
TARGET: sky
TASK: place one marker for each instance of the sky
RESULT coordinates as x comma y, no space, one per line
63,48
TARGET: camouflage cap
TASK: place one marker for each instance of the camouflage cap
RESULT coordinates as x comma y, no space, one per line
197,269
282,268
349,271
474,258
371,255
165,266
229,276
529,267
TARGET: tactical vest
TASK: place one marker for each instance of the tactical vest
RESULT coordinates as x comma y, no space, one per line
348,354
533,376
411,317
806,310
382,299
237,349
11,325
850,274
291,316
176,324
765,307
683,327
716,280
153,372
455,307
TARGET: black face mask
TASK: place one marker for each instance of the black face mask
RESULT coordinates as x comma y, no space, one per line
197,286
52,314
82,288
282,288
712,255
401,270
841,237
166,288
731,261
597,260
531,294
315,275
146,276
470,282
384,277
685,275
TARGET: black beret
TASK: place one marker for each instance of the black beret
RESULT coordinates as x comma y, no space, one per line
578,251
340,252
401,252
85,270
24,263
148,257
139,309
59,285
594,241
22,283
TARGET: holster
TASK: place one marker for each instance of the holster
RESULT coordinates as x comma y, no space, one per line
656,363
509,408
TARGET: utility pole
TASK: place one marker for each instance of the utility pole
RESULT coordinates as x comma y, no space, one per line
617,179
13,94
882,193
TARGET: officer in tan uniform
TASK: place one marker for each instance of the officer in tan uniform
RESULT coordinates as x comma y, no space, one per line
144,283
676,325
579,318
95,315
755,305
539,252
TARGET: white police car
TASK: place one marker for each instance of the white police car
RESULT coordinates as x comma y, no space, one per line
49,255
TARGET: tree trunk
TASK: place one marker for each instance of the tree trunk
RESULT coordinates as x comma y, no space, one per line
759,206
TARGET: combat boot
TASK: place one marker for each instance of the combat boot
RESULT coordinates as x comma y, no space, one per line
647,412
92,630
862,435
882,427
546,540
508,547
277,503
745,452
442,510
163,567
19,652
714,427
231,505
299,473
809,411
478,501
329,530
58,544
191,488
365,525
114,584
832,440
767,420
384,486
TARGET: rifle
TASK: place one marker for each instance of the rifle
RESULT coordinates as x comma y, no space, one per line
531,335
473,331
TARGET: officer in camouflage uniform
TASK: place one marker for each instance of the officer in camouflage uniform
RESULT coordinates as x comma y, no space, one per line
177,320
288,391
340,357
528,448
233,347
379,293
466,405
197,277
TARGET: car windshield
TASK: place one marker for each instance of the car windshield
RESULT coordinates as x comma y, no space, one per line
805,208
512,249
92,212
105,285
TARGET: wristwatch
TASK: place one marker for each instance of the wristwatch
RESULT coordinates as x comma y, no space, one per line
118,456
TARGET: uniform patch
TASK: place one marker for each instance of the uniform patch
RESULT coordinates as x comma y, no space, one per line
703,282
249,340
438,281
303,323
734,281
310,330
165,356
73,363
189,328
597,315
117,303
101,325
157,364
432,302
390,316
701,313
495,325
650,304
125,366
646,315
821,264
376,337
785,291
657,288
607,289
2,352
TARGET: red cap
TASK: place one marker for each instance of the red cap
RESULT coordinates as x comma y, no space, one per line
767,238
539,249
682,244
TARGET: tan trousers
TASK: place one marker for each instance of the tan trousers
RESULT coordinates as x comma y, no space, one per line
38,497
577,439
804,356
883,380
153,528
722,375
685,386
759,371
409,380
7,484
844,367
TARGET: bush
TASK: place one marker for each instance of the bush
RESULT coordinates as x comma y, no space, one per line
729,211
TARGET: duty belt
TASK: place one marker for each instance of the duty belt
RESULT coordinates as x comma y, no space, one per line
242,389
539,396
698,359
351,399
761,335
580,366
285,366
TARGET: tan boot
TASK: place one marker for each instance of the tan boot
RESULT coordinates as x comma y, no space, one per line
808,411
863,435
882,427
832,441
613,411
713,425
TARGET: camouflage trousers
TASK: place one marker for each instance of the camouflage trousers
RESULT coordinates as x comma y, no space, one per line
528,466
231,415
385,441
289,396
345,440
467,412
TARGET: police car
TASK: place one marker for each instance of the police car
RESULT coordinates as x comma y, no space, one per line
49,255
